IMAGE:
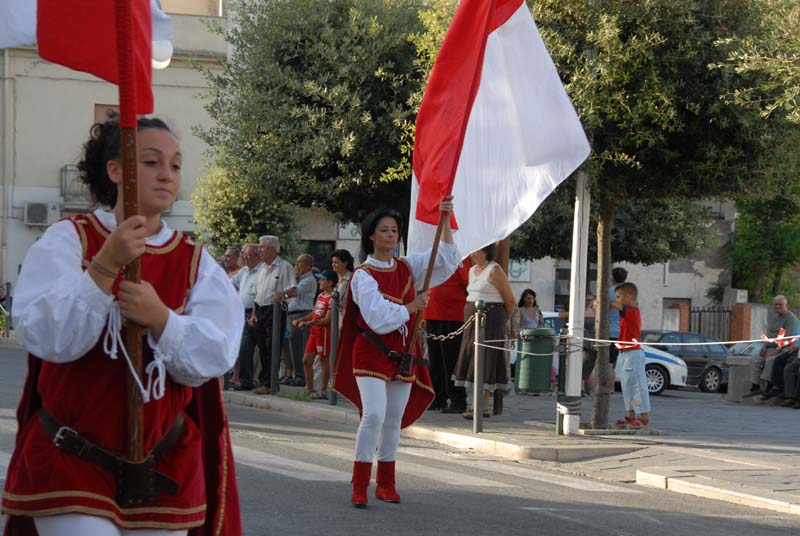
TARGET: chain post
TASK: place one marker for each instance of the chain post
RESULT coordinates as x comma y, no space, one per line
477,375
275,351
332,399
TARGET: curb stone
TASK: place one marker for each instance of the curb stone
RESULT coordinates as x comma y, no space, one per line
687,482
466,440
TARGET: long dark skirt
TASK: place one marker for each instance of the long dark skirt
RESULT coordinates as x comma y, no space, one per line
495,375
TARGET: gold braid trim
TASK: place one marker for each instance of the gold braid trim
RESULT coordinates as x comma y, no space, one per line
106,514
363,372
161,250
102,498
425,387
224,482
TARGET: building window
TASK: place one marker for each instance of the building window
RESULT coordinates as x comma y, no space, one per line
104,112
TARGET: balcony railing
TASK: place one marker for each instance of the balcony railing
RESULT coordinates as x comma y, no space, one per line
75,193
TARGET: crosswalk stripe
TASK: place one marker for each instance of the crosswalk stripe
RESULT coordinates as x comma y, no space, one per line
422,471
518,470
287,466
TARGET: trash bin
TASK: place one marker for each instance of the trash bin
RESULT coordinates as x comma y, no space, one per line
532,373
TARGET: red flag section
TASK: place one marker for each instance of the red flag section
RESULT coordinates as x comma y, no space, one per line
82,35
496,128
444,114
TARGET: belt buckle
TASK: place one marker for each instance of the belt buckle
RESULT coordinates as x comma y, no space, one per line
61,434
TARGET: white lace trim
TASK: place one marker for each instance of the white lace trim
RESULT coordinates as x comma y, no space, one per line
112,343
403,329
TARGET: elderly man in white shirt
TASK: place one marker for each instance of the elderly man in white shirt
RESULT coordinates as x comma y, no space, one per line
245,283
274,283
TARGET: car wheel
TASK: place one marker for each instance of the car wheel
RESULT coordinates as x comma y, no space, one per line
657,379
711,380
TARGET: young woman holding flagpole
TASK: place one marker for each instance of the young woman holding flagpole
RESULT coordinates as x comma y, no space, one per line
382,305
71,472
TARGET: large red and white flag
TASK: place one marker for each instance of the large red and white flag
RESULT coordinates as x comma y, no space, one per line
81,35
495,128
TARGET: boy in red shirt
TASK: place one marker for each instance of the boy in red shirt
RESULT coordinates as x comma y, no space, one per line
631,358
319,339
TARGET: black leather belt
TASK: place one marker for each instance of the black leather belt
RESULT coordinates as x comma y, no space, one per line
404,360
137,483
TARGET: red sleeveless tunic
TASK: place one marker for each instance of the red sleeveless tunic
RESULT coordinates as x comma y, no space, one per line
356,356
88,395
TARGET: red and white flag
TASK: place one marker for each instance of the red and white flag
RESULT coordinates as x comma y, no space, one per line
81,35
496,128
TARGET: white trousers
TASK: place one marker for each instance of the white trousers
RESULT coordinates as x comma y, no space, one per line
383,405
82,525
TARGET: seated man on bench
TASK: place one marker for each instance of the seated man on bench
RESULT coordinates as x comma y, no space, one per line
763,364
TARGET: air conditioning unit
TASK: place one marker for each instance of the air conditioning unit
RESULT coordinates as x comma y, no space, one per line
41,213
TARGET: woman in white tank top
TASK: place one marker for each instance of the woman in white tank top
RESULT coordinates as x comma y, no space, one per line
487,282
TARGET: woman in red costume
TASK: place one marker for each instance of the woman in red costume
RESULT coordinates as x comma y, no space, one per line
380,311
68,474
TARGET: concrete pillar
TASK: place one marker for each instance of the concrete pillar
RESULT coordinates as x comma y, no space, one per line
740,321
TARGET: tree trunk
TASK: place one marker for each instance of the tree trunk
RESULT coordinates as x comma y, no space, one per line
761,282
600,396
776,282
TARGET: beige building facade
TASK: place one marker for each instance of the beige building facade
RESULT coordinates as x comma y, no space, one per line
45,114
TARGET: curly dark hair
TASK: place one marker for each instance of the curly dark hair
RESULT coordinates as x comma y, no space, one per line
101,147
346,257
371,222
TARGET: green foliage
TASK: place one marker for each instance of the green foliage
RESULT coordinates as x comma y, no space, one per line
660,134
769,62
646,232
651,104
766,244
313,102
230,210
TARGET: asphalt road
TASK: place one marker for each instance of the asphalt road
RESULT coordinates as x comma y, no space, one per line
294,474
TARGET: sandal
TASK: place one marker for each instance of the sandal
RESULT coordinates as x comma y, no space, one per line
468,414
319,395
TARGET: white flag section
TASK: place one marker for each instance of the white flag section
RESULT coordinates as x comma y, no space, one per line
523,138
18,23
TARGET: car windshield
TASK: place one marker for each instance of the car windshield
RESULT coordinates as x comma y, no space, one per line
651,336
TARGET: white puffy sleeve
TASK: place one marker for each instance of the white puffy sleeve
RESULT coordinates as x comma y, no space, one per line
203,343
59,312
381,315
447,260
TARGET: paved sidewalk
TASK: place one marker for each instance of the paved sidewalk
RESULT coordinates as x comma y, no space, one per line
700,444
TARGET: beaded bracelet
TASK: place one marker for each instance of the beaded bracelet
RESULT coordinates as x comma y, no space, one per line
102,270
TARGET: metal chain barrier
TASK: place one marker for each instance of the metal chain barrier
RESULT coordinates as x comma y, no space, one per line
452,335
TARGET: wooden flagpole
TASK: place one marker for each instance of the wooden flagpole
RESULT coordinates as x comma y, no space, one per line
130,200
443,216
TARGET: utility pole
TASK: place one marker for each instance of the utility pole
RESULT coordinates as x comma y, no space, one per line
577,294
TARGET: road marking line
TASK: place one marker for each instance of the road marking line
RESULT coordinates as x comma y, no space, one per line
428,472
520,471
287,467
593,526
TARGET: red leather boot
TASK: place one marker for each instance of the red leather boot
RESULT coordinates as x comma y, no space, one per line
362,473
385,490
